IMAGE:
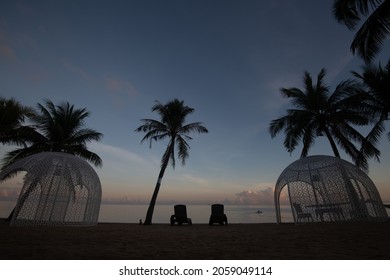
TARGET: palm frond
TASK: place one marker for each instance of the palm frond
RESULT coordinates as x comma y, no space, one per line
194,127
171,125
370,36
183,148
350,11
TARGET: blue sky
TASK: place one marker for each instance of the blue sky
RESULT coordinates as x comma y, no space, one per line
226,59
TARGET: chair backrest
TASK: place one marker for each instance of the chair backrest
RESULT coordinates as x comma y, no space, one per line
217,209
180,211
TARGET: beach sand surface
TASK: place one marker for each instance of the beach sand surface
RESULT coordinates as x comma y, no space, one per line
111,241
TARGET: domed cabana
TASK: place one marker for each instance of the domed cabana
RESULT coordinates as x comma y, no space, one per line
58,189
329,189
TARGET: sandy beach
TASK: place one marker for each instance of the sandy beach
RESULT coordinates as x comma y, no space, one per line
109,241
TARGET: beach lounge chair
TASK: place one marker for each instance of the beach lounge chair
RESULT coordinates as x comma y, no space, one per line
218,215
180,216
302,215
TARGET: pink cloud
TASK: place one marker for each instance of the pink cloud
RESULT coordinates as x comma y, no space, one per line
118,86
5,47
7,51
120,90
264,197
9,194
77,70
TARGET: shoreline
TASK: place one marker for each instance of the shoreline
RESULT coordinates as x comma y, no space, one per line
117,241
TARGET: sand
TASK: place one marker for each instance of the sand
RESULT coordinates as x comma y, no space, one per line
110,241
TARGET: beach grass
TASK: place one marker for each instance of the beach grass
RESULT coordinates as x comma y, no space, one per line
114,241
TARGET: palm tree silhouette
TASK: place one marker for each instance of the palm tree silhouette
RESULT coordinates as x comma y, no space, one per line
12,118
373,31
171,126
58,129
322,113
376,79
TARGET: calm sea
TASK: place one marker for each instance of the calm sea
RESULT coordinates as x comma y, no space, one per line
123,213
115,213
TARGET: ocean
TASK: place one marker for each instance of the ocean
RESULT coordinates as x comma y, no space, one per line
200,214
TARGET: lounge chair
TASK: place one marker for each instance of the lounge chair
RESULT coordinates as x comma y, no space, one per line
180,216
218,215
302,215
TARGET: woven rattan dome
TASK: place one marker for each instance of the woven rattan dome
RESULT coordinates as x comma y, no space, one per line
58,189
329,189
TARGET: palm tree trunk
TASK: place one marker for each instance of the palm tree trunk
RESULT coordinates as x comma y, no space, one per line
332,143
149,214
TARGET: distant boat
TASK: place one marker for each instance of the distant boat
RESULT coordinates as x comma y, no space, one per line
259,212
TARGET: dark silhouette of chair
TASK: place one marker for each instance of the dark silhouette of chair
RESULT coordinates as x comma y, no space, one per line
302,215
218,215
180,216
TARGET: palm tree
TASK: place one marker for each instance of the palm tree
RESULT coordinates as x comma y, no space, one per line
12,117
377,98
58,129
322,113
373,31
171,126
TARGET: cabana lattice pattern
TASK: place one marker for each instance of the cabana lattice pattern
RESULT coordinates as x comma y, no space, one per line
329,189
58,189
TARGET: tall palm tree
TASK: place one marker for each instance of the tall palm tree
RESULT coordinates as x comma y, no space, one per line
12,118
58,128
376,79
171,126
373,31
320,112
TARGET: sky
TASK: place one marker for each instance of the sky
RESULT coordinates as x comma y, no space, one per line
226,59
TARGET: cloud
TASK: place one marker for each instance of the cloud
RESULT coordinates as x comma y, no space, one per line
7,51
9,194
196,180
5,47
264,197
78,71
120,89
118,153
340,66
274,100
124,200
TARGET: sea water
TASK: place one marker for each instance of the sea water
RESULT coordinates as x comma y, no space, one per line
128,213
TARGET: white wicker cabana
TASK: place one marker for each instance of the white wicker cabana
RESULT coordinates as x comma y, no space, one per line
59,189
329,189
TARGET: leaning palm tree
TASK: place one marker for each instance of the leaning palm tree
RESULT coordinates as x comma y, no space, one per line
171,126
58,129
373,31
320,112
376,79
12,118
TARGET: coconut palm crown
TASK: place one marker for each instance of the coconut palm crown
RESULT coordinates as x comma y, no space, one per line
320,112
58,128
172,127
376,80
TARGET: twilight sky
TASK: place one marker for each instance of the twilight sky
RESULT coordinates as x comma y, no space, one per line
227,59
